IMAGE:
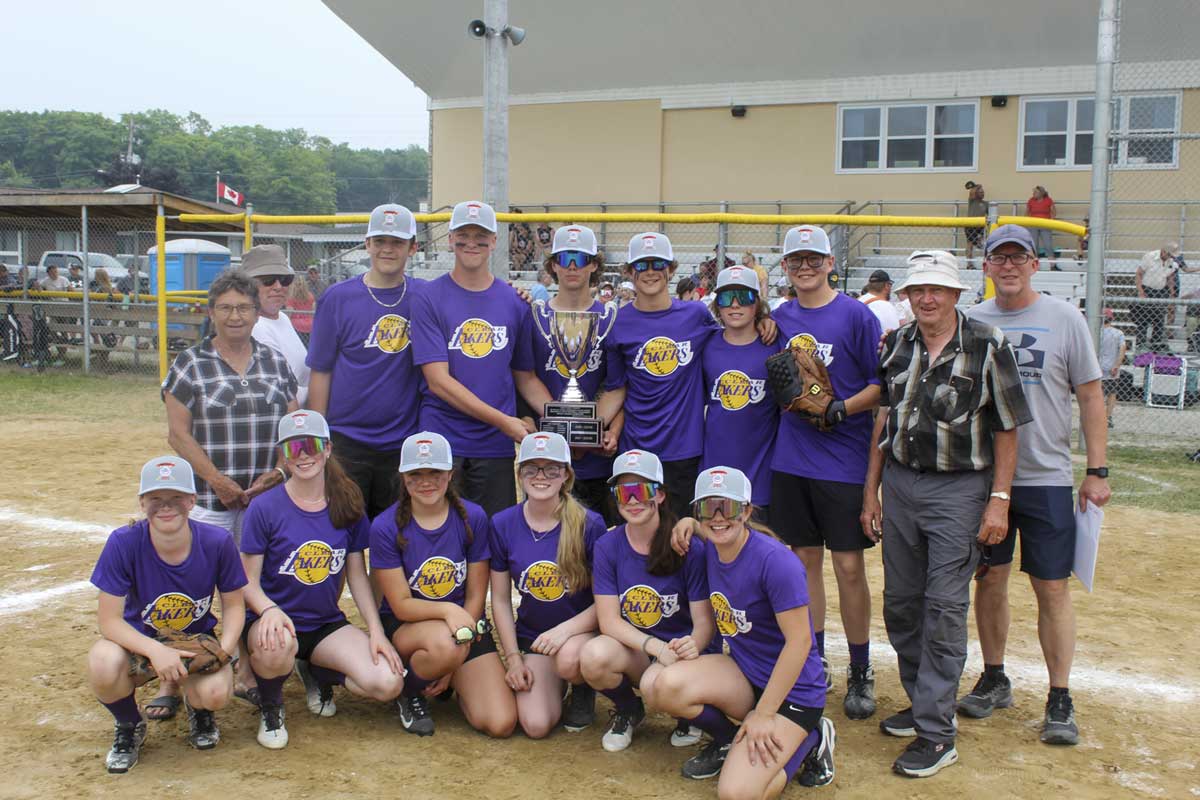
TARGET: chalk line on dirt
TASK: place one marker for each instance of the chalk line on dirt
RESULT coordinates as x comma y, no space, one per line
28,601
86,531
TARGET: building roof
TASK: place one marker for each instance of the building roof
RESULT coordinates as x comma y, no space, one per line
138,203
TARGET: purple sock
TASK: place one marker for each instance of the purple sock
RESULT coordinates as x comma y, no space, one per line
125,710
860,654
326,676
713,722
819,638
414,684
793,764
270,689
622,697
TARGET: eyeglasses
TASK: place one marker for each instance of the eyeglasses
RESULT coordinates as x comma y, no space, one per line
707,507
985,562
573,259
302,445
796,263
640,492
465,635
551,471
656,264
241,309
1016,259
744,297
271,280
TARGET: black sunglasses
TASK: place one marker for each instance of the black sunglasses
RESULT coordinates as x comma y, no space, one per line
271,280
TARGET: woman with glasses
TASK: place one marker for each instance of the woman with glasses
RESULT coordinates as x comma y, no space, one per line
651,604
741,418
266,265
772,680
430,556
155,575
302,542
543,548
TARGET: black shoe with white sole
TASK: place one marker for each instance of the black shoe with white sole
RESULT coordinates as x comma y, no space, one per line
817,769
924,759
414,714
859,702
126,746
1058,726
990,692
900,724
579,709
707,763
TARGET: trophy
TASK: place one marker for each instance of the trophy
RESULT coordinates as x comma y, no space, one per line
572,335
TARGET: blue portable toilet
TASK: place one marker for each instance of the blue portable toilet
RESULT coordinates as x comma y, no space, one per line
191,264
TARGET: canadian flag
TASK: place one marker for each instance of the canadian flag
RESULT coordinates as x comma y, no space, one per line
229,194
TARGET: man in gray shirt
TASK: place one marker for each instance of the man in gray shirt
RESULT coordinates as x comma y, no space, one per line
1054,355
1112,356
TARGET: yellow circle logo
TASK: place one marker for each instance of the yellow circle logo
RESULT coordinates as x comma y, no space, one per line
389,334
172,611
662,355
729,621
732,390
541,580
475,338
804,341
437,577
313,562
642,606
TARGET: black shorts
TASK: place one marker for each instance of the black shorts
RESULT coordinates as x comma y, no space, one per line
481,646
306,641
1045,518
375,471
809,512
679,479
806,717
594,493
488,482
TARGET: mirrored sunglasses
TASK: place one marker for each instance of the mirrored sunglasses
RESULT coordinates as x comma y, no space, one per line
572,259
640,492
743,296
302,445
707,507
656,264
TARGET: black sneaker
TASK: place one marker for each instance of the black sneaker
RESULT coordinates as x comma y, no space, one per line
990,693
900,724
817,769
707,763
203,733
579,709
1059,726
414,714
924,759
620,730
859,702
126,746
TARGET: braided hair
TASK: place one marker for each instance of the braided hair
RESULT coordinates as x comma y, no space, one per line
404,513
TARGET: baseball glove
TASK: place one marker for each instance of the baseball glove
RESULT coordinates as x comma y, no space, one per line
210,656
800,383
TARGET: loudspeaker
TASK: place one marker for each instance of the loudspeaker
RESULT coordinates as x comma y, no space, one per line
738,111
1000,101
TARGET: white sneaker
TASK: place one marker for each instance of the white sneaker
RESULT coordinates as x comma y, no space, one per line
620,730
318,697
272,734
685,735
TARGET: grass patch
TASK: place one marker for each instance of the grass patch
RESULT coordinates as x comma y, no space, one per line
77,396
1155,478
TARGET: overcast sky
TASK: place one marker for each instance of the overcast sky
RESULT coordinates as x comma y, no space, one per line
278,63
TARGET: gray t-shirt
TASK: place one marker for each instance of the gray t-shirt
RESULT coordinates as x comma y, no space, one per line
1111,340
1054,353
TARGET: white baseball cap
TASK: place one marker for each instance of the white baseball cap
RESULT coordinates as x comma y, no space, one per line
806,239
167,472
544,444
728,482
650,245
426,450
737,276
393,220
473,212
574,237
302,423
932,268
637,462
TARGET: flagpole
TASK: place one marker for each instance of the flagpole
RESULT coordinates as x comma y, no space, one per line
218,186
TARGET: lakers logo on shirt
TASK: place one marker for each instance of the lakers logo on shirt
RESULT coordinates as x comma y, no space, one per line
735,390
806,341
541,580
478,338
389,334
662,355
644,607
437,577
730,621
555,364
174,611
312,562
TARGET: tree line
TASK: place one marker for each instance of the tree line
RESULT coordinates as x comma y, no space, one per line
280,172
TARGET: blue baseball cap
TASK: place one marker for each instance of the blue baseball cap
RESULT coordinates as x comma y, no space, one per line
1010,233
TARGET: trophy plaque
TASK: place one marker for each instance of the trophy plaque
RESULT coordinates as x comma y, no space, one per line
572,335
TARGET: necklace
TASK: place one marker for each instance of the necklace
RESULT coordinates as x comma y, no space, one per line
403,291
537,537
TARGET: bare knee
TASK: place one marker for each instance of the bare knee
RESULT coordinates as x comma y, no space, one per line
498,725
735,790
567,663
1053,596
850,568
107,662
212,695
382,684
994,584
666,692
273,663
537,726
595,660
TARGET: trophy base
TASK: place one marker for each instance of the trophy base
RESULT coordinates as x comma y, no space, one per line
578,423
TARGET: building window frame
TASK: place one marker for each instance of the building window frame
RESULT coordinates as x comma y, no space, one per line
930,136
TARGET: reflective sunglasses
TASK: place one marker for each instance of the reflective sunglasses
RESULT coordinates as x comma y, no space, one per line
465,635
707,507
641,492
271,280
306,445
572,259
551,471
656,264
743,296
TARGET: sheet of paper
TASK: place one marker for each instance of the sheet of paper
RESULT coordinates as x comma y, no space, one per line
1087,543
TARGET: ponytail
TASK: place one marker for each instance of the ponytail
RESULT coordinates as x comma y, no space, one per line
572,551
345,499
663,560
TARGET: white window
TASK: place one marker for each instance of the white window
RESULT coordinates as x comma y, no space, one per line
1056,132
908,137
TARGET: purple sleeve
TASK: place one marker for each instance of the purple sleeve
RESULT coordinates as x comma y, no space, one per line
868,346
498,542
111,574
604,570
708,323
481,533
230,574
784,582
323,341
384,553
614,363
255,530
522,358
428,341
360,535
695,572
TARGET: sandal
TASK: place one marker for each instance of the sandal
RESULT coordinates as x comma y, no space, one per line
249,694
162,708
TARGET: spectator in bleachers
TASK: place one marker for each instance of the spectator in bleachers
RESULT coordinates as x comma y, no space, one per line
76,276
685,289
1156,278
541,289
764,280
1041,205
1081,249
53,282
266,265
543,241
1112,356
316,286
878,298
707,273
976,207
604,292
6,281
520,243
625,293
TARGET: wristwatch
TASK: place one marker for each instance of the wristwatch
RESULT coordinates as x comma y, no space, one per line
1001,496
1099,472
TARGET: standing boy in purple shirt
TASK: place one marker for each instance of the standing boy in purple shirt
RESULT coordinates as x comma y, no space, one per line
472,340
818,475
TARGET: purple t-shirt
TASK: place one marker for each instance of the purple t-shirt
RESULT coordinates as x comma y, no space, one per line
483,336
159,595
554,374
434,562
746,594
740,418
845,334
657,604
304,556
531,564
657,355
374,391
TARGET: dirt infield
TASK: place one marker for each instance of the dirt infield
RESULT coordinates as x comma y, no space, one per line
72,450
